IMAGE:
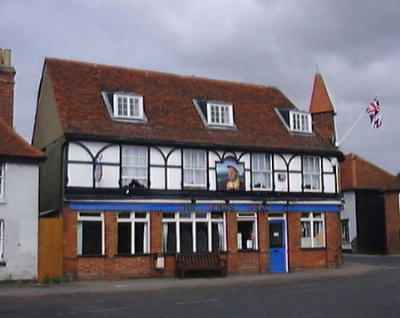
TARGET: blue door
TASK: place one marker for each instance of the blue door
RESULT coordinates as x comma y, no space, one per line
277,252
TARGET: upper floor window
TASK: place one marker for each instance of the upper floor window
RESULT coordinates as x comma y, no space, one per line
134,165
220,114
261,171
2,181
311,173
128,106
300,122
194,168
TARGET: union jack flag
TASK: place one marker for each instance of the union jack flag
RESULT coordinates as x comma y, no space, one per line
374,113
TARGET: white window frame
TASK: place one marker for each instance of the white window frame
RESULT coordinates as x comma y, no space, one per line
133,219
188,168
398,202
312,174
248,217
267,171
348,230
191,218
300,122
138,166
97,216
221,110
130,99
2,240
2,181
312,218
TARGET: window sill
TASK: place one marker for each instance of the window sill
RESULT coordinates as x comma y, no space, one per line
313,248
133,255
248,251
92,256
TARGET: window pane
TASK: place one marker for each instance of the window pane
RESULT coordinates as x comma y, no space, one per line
186,235
124,215
318,234
246,235
140,238
217,236
124,238
202,237
306,234
140,215
91,237
169,237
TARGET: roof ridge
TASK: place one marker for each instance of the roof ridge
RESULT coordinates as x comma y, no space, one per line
182,76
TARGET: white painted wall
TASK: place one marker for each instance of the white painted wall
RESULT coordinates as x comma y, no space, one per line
20,211
80,174
349,212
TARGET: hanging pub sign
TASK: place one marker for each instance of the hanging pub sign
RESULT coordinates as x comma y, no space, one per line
230,175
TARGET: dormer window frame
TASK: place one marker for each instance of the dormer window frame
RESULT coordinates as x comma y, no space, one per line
300,122
129,98
223,111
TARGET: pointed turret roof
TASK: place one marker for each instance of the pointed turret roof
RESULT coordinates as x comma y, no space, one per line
320,100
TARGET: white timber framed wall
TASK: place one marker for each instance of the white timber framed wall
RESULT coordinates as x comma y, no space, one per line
98,165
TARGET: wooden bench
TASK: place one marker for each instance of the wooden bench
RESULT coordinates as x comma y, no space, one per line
200,262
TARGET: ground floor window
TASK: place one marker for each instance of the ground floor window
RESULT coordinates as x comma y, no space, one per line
312,230
247,231
345,231
193,232
90,230
2,240
133,233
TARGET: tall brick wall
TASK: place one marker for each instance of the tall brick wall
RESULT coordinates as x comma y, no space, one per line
324,124
7,75
392,222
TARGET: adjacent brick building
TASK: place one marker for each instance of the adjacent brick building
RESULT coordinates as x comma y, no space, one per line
143,166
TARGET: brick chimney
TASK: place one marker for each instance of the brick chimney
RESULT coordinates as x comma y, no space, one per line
7,74
322,110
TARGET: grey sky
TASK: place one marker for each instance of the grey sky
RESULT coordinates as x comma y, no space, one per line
279,43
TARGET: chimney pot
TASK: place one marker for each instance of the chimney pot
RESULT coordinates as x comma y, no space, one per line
5,57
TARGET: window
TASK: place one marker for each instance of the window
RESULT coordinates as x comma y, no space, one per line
312,230
247,231
345,232
2,240
300,122
311,173
90,234
261,171
128,106
220,114
193,232
133,233
134,165
194,168
2,180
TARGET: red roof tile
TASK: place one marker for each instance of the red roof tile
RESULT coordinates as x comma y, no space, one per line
168,104
358,173
14,146
320,100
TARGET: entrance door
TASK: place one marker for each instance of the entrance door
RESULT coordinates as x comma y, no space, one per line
277,253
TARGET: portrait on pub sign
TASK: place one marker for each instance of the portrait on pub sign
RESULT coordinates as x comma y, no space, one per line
230,175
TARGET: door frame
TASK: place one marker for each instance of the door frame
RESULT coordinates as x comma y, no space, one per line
281,217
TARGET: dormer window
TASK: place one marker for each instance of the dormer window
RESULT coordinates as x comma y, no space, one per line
300,122
127,106
219,114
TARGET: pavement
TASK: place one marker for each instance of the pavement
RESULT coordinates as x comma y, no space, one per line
365,287
355,265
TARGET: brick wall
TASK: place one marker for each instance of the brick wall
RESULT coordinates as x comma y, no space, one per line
112,266
300,258
392,222
7,75
324,124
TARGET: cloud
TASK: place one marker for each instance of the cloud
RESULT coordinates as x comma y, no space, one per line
280,43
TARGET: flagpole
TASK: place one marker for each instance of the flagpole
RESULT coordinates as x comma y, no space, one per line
362,114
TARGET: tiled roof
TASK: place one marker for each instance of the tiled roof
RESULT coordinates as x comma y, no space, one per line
168,104
320,100
358,173
14,146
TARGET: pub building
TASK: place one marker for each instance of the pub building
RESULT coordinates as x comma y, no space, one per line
145,166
